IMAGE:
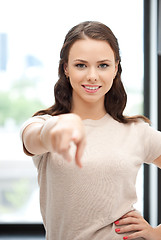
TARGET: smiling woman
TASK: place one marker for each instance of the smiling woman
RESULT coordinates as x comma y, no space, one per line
29,53
86,151
98,35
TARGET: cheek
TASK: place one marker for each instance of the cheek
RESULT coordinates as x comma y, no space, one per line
76,76
108,77
109,81
74,80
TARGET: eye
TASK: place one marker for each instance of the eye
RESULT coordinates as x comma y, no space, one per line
103,65
80,65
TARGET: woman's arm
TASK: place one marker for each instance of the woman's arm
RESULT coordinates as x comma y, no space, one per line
31,139
134,222
55,135
157,162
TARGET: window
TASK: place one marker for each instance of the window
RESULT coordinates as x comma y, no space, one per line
31,35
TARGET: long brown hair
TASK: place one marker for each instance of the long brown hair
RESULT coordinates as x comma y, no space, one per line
115,99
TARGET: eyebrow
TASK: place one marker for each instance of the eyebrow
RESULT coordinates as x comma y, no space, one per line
84,61
105,60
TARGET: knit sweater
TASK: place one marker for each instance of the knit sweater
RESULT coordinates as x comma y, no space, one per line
82,204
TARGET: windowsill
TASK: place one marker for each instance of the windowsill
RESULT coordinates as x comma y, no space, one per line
21,238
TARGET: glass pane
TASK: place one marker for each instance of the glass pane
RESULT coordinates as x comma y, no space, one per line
31,35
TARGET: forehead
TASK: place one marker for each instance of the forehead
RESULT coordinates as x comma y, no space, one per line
91,48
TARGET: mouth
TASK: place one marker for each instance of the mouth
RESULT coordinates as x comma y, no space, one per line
91,88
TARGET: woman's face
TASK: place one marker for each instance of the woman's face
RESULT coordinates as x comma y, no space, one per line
91,69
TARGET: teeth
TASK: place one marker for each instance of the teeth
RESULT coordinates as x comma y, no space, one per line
91,88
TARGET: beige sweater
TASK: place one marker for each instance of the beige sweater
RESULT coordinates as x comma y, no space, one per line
82,204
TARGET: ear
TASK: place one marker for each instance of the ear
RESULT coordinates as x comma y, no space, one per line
66,69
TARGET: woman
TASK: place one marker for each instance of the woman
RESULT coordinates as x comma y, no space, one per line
91,197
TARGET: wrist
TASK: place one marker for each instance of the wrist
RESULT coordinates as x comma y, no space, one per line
156,232
158,229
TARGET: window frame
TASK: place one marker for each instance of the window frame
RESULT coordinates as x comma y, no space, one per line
147,101
146,24
18,229
37,229
159,103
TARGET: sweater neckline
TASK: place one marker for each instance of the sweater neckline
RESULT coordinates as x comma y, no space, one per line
97,122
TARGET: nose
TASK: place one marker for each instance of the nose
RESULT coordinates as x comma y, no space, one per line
92,75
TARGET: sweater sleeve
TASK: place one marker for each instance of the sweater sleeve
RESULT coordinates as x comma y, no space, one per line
35,119
152,143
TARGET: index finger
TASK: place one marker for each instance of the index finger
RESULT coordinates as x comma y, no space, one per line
80,144
79,152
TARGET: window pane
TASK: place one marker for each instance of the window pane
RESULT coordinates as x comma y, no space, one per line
31,35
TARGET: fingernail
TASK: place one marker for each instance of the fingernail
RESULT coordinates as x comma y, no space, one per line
75,135
79,165
116,222
125,237
117,229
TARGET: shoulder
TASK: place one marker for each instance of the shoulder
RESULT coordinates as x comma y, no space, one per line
139,129
144,130
35,119
41,117
38,118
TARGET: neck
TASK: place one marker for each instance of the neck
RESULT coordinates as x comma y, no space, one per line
89,111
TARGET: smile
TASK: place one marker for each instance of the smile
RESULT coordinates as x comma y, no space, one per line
91,89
